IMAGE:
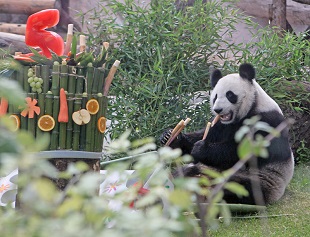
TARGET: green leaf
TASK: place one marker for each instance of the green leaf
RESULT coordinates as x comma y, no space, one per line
236,188
244,148
180,198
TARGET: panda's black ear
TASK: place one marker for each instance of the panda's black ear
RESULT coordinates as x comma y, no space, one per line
247,71
215,77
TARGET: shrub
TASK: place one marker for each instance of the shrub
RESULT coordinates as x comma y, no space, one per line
165,56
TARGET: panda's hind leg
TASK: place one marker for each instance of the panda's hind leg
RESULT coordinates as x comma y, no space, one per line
251,182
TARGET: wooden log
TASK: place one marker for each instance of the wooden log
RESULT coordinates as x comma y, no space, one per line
19,29
296,13
26,6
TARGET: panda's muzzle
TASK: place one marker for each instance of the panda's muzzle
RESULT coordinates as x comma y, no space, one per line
226,117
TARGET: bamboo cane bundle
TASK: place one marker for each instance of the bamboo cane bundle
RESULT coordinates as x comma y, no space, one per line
49,103
72,79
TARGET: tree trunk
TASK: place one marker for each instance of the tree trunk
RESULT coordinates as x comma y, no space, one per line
278,17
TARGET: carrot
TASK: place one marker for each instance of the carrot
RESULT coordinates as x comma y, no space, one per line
63,116
3,106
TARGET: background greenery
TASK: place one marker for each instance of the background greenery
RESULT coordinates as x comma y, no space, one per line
165,59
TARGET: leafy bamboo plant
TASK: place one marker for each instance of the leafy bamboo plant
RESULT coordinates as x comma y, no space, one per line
165,53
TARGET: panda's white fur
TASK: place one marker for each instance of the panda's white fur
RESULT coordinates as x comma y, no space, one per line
236,97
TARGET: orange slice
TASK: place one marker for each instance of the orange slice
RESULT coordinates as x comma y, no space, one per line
46,123
102,124
92,106
16,122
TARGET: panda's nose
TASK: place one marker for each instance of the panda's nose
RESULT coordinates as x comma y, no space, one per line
218,110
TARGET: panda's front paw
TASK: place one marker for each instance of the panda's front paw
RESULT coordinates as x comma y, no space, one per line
165,136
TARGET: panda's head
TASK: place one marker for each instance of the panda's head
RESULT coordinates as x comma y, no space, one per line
233,95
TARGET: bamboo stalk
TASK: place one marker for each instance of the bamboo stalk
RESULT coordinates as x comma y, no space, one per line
55,132
49,103
101,80
83,137
110,77
215,120
206,131
89,78
76,128
26,85
80,81
69,39
32,121
82,43
55,80
64,77
41,98
96,79
176,131
72,80
102,100
24,121
19,77
90,132
70,122
45,72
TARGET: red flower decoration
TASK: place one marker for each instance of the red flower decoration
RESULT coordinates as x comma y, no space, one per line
37,36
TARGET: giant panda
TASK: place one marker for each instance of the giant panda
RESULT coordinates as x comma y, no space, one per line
236,97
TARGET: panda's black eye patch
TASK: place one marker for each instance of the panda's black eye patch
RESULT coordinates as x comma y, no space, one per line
215,97
232,97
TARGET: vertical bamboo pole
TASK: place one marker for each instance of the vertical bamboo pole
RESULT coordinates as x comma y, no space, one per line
49,103
96,79
76,128
45,72
72,80
32,121
64,77
83,137
90,78
55,132
101,79
26,85
70,122
103,102
55,80
80,80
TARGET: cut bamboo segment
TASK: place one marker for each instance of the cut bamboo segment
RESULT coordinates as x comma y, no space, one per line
177,130
82,43
206,131
69,39
110,77
215,120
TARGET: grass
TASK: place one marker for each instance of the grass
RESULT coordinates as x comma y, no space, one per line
291,215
